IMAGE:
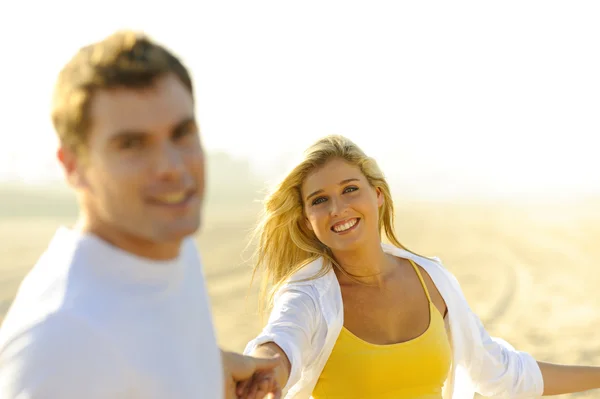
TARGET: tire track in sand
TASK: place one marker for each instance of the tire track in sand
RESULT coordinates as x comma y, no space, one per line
516,286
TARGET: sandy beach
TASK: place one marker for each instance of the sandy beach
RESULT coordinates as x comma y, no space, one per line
529,270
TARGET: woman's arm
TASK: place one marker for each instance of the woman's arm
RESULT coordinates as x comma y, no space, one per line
292,333
561,379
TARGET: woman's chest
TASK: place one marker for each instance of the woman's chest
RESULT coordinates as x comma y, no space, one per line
385,317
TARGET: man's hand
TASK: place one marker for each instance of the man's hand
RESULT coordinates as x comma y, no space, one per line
249,375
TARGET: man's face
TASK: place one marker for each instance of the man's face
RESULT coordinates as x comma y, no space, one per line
143,178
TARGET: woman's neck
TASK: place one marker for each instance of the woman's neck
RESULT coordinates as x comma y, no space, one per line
367,264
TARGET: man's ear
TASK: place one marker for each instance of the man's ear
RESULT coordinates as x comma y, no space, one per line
72,165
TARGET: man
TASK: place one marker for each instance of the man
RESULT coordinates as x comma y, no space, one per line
117,307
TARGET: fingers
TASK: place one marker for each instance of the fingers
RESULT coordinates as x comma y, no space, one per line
242,388
276,394
260,386
252,393
264,386
245,388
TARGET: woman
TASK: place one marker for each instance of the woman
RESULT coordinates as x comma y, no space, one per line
353,317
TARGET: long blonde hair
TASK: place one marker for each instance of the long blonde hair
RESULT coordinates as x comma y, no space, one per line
284,242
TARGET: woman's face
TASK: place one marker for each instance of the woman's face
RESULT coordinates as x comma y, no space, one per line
340,205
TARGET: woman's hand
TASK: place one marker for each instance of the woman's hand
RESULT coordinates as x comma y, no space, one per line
278,376
246,374
261,385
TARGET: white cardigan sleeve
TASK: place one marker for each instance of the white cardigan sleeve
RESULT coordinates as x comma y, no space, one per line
505,372
293,325
495,368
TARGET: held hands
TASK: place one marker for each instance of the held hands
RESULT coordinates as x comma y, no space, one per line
249,377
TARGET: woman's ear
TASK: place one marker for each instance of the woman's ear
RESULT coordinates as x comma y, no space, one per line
308,225
380,197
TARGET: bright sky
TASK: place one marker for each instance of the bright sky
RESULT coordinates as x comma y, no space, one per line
488,97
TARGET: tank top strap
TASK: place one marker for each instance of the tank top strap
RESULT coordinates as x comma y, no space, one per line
421,279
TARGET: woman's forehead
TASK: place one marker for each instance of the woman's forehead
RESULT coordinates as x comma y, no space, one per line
334,172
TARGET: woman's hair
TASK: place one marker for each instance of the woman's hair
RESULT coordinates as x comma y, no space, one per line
285,243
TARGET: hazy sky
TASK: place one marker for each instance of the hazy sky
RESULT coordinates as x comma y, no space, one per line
456,96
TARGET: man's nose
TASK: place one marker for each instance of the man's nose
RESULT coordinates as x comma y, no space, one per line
170,161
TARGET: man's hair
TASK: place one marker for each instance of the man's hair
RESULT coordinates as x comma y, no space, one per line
125,59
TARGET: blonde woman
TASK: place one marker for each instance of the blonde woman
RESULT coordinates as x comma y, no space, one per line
353,317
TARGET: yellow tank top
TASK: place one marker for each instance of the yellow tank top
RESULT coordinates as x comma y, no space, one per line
415,369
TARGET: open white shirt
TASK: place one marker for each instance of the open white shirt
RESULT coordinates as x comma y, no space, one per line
92,321
308,316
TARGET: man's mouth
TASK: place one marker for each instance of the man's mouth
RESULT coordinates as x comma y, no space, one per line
345,225
173,198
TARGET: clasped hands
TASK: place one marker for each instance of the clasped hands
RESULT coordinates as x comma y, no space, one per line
248,377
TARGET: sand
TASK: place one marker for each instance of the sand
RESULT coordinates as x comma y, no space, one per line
530,271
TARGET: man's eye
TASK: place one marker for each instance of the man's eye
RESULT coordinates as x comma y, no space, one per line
132,143
183,133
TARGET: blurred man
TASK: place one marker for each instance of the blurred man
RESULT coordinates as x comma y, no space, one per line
117,307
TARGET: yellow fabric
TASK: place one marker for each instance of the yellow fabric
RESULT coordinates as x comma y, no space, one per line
415,369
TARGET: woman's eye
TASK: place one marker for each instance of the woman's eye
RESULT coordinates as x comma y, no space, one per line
318,201
350,189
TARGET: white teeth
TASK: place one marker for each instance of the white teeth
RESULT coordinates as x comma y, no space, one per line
173,198
345,226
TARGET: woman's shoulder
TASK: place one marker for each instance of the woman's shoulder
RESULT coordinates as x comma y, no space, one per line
432,262
314,274
313,280
443,278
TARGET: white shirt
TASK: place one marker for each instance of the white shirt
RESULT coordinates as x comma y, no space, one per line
308,316
92,321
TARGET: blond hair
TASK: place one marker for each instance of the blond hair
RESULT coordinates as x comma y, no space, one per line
284,243
125,59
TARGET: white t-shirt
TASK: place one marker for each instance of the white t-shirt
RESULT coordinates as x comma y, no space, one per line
93,321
